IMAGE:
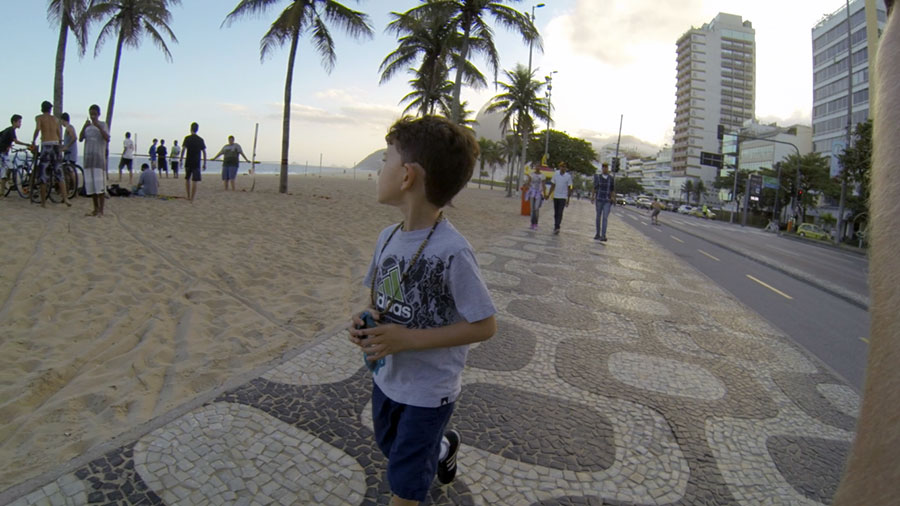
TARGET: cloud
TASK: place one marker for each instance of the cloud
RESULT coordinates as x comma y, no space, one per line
618,33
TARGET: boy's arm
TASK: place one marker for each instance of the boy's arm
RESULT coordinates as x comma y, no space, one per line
387,339
37,128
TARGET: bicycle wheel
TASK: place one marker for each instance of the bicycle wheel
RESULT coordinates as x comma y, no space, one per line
53,189
70,174
22,181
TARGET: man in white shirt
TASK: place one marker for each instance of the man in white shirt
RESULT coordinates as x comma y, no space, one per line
561,188
127,156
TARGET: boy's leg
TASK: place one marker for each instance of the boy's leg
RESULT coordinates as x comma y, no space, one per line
410,437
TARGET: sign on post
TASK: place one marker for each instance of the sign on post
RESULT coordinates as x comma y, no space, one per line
711,159
756,184
770,182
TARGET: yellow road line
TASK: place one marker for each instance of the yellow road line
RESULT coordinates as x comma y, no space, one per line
863,339
707,254
770,287
677,239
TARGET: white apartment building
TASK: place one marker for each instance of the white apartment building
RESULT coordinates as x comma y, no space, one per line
716,68
831,90
657,174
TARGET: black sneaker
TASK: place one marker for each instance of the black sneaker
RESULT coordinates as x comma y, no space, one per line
447,467
603,239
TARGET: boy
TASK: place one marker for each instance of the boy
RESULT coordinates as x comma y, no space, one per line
191,149
152,154
50,130
127,159
428,294
7,139
161,153
176,153
148,183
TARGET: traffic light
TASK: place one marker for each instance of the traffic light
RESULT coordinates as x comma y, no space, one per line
799,194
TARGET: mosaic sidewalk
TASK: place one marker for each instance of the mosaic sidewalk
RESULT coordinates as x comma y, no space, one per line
619,375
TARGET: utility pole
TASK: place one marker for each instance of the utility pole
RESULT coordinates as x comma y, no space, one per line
621,116
840,221
526,132
549,80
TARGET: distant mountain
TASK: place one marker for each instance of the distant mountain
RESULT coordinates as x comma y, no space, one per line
629,144
372,162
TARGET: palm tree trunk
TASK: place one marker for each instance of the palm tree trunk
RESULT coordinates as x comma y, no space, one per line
525,137
457,85
60,65
115,80
286,124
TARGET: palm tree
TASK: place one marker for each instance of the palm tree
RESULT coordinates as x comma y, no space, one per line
520,100
511,151
469,17
700,190
129,21
310,16
491,154
432,34
688,188
69,15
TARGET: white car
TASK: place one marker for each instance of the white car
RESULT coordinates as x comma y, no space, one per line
685,209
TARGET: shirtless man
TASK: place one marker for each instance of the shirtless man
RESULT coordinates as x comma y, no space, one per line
51,139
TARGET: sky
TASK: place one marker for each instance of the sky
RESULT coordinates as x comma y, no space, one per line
612,57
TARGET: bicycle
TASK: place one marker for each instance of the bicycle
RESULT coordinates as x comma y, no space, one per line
19,173
67,170
74,175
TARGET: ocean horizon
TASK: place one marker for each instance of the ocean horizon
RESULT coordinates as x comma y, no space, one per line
244,168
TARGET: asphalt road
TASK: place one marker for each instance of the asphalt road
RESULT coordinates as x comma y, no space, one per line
830,327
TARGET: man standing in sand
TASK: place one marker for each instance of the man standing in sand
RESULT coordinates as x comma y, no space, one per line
127,159
51,136
231,161
191,149
176,153
161,153
152,154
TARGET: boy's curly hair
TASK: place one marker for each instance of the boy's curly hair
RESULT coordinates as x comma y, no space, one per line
445,150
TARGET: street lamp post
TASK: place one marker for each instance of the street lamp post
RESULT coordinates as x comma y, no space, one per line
549,80
524,133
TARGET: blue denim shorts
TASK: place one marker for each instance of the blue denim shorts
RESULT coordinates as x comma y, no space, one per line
410,438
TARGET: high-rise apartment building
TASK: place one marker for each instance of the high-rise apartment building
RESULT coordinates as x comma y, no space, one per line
832,90
716,86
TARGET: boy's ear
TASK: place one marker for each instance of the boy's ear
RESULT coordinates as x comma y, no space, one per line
413,171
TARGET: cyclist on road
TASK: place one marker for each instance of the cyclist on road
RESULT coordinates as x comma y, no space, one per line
51,136
7,139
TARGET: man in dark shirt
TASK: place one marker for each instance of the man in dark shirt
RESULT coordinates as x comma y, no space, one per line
7,138
161,153
192,149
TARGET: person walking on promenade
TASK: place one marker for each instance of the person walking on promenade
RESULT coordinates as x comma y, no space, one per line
70,139
176,152
127,159
95,135
535,195
161,162
191,150
603,196
7,139
426,321
51,136
152,153
561,189
231,154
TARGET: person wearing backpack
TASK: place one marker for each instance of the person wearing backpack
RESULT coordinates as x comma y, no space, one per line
231,154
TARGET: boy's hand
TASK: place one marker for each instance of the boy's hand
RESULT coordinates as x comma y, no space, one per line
383,340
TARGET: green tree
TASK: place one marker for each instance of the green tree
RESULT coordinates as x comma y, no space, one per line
700,190
628,186
814,179
429,34
301,16
511,152
129,21
687,188
470,17
726,182
69,15
491,154
577,153
857,163
519,101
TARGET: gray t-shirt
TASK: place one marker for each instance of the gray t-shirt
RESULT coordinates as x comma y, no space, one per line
149,182
443,288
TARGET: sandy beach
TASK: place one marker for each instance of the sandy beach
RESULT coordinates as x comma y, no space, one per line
106,323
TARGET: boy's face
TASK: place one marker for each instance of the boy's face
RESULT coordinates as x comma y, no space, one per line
17,123
390,177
